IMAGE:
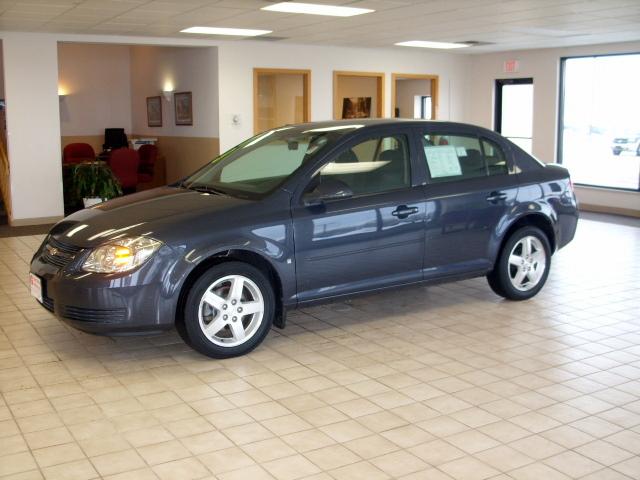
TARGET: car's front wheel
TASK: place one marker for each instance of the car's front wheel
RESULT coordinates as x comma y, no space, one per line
523,265
229,310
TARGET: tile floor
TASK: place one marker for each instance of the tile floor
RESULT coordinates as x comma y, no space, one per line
422,383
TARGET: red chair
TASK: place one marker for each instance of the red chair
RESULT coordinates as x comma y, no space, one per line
77,153
148,155
124,165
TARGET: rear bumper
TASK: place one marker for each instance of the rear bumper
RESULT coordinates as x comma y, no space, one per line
106,304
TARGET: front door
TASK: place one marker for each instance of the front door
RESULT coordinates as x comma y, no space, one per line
372,239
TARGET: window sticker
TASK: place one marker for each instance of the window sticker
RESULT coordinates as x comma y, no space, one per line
443,161
461,151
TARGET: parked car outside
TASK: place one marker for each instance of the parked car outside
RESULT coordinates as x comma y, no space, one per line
302,214
625,144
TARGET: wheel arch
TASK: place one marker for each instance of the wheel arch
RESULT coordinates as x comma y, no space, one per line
239,255
534,219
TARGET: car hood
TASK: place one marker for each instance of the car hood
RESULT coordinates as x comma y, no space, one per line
159,213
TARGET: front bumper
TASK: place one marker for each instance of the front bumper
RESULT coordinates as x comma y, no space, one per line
105,304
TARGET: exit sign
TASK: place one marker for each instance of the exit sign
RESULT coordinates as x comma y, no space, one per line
511,66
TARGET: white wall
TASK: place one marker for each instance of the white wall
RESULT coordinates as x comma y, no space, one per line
33,125
187,69
237,60
96,79
543,66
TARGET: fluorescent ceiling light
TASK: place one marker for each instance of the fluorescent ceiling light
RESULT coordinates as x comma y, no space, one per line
316,9
425,44
238,32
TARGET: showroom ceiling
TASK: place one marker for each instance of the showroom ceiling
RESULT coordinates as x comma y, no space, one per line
503,25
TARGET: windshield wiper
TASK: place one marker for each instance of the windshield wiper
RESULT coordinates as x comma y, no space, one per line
205,189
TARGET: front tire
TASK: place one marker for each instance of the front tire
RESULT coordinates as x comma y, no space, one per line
229,310
523,265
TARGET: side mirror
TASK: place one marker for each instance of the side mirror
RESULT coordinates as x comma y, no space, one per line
328,189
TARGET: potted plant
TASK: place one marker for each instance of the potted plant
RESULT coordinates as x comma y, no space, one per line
95,183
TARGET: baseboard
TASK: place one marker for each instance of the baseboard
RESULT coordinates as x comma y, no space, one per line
23,222
627,212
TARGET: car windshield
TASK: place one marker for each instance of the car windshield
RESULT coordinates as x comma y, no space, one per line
262,163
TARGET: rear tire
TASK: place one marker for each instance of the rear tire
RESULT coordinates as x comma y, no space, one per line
229,310
523,265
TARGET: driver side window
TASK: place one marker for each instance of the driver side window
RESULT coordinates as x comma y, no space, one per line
376,165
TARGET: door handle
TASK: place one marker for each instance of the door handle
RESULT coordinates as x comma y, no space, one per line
403,211
495,197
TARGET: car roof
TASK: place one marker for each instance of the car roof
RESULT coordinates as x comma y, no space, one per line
367,123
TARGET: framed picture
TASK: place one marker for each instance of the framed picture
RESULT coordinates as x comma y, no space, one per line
154,111
356,107
184,108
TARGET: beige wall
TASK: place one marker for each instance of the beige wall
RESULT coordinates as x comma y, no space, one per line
543,66
406,90
97,82
355,86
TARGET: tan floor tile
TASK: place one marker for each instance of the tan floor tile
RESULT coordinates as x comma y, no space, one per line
291,468
344,431
537,447
184,469
206,442
13,444
266,450
437,452
57,454
16,463
503,458
286,424
468,468
472,441
567,436
604,452
407,436
359,471
308,440
163,452
140,474
226,460
147,436
253,472
371,446
537,471
398,463
93,447
248,433
118,462
79,470
573,464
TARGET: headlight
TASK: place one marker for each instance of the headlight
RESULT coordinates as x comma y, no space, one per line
121,255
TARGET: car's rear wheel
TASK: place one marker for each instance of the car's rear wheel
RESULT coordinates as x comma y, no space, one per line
229,310
523,265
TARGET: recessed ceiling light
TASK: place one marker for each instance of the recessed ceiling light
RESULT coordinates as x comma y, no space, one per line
425,44
238,32
316,9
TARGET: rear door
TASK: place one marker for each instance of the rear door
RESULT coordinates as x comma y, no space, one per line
373,239
471,187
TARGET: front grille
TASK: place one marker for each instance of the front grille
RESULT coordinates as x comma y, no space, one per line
59,253
110,315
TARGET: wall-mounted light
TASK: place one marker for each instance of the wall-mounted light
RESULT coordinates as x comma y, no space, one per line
62,92
167,90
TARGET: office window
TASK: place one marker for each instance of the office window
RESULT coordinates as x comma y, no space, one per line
599,127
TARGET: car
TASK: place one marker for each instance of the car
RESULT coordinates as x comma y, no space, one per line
624,144
304,214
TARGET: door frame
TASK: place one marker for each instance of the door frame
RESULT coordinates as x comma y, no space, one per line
306,90
380,94
435,90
